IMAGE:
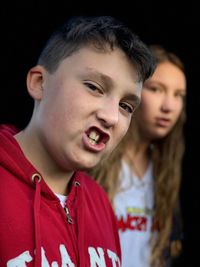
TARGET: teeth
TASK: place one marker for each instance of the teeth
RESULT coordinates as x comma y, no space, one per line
94,136
92,142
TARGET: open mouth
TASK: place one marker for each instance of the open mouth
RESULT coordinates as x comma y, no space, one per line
96,136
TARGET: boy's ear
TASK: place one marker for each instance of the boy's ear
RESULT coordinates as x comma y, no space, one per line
34,81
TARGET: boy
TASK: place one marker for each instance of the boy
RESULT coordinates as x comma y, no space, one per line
86,86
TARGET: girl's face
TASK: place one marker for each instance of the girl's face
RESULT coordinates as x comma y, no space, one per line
162,101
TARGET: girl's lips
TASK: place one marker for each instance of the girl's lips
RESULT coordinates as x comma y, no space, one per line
92,145
162,122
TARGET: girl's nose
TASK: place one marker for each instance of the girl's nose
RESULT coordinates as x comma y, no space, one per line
168,103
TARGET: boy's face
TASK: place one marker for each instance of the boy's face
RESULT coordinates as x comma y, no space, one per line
85,107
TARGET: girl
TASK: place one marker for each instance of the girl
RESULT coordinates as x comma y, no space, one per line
142,178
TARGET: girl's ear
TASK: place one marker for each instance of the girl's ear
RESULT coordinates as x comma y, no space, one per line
34,81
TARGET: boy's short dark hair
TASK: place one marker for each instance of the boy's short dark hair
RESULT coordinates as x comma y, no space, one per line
104,33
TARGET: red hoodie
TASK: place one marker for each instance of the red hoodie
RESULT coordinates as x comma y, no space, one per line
34,228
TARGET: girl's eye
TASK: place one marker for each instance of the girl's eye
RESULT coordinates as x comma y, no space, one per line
153,88
180,94
127,107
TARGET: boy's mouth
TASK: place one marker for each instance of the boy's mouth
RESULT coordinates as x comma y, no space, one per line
95,139
97,136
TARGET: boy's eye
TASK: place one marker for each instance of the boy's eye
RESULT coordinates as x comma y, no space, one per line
93,87
127,107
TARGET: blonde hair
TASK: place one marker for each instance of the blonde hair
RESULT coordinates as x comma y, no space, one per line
167,154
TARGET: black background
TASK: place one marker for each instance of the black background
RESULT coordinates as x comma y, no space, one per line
175,25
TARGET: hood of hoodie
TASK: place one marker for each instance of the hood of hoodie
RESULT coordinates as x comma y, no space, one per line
13,159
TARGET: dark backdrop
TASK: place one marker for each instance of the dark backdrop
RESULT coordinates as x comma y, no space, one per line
24,30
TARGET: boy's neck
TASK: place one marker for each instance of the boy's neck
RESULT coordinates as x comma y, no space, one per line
55,177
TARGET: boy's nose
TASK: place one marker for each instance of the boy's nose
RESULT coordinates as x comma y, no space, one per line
108,114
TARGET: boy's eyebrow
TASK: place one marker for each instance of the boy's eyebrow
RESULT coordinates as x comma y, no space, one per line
103,77
108,81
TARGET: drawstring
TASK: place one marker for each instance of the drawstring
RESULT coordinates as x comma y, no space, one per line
36,178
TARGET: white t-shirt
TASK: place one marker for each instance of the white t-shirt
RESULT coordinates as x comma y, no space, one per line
134,210
62,199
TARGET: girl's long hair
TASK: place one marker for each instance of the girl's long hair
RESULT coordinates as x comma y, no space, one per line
167,154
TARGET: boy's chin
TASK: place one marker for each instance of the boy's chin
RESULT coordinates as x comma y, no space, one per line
87,163
87,166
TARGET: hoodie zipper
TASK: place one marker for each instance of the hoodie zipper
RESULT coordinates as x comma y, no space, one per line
69,219
66,210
